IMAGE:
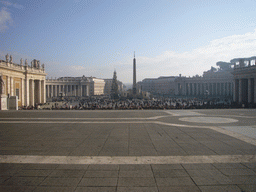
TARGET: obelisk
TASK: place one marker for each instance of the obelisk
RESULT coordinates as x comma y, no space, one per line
134,76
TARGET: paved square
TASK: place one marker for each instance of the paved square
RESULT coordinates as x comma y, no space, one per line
136,150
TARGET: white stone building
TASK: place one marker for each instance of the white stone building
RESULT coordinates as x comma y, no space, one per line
27,82
244,80
164,85
213,83
74,87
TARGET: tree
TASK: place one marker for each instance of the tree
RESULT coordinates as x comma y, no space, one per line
114,87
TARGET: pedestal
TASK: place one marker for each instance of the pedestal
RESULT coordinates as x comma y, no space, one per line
3,102
13,103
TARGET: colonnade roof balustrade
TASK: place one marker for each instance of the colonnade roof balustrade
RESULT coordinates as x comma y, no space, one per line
39,69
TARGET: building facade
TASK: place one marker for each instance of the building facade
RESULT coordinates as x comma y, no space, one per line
214,83
244,80
27,82
74,87
164,85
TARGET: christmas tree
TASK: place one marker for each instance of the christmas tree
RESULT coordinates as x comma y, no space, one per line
114,87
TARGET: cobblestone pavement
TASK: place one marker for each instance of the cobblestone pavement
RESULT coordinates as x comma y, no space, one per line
141,150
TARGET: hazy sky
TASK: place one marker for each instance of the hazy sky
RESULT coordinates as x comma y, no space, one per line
94,37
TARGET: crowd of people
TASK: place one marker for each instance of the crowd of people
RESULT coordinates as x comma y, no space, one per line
97,103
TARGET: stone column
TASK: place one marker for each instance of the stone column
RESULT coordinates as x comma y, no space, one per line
203,87
48,90
80,90
183,89
240,88
254,90
230,88
213,88
83,90
235,94
53,90
43,95
71,90
193,89
7,85
87,90
210,89
225,88
56,92
51,94
39,91
216,89
11,87
221,89
62,89
249,90
59,89
22,92
26,92
206,88
31,92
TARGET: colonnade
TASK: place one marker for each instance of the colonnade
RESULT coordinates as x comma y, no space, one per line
245,90
209,89
28,91
35,91
55,90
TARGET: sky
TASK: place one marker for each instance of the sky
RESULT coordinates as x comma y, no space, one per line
96,37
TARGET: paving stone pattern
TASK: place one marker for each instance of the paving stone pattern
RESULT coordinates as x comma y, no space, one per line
117,140
171,177
118,134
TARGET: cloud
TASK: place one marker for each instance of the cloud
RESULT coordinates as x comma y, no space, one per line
9,4
169,63
5,19
6,16
198,60
57,70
